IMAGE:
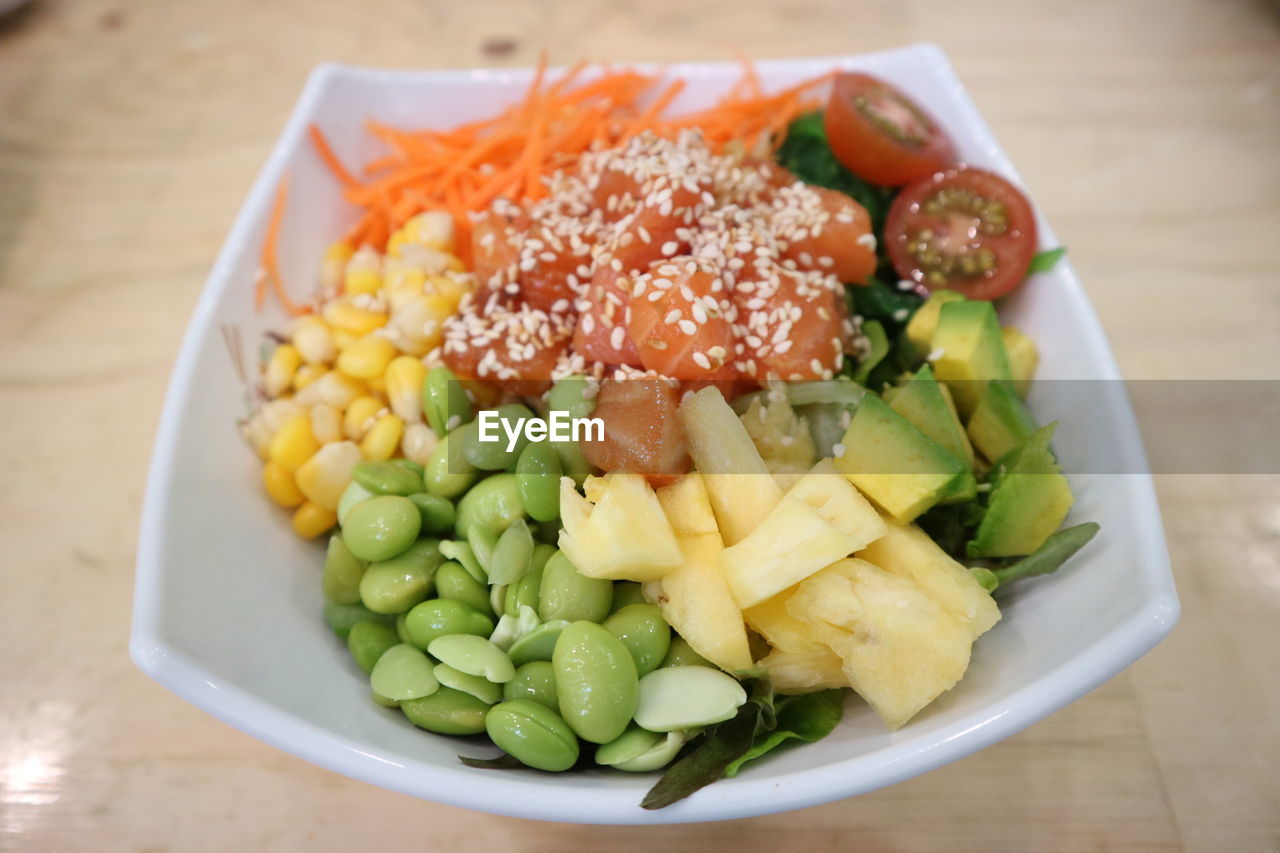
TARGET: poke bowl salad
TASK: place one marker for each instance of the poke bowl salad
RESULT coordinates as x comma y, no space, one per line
654,441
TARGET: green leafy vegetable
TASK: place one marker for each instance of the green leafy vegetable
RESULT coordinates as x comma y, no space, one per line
876,300
806,718
1050,556
807,155
985,577
501,762
879,349
1045,261
720,746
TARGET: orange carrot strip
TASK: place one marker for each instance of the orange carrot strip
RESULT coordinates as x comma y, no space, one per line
330,159
270,266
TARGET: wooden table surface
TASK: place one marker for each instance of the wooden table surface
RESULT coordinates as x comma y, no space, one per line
1149,131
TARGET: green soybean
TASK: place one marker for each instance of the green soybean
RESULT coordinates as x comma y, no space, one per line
538,643
625,594
437,513
474,656
395,585
675,698
632,743
512,553
535,681
402,630
447,712
494,502
491,449
644,632
596,681
656,756
566,593
482,541
524,592
383,700
444,401
368,640
574,395
342,572
381,527
403,672
575,465
341,617
386,477
353,494
455,583
498,599
448,474
538,473
681,653
460,552
481,688
533,734
441,617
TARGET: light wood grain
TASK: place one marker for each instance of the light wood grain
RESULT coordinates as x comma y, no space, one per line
129,131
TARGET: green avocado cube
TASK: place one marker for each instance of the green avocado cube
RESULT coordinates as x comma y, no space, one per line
1029,501
968,351
1000,422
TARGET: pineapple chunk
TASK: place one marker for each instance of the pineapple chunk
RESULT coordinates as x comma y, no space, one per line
907,551
623,536
688,507
772,620
793,542
782,438
842,506
741,489
899,647
804,672
696,602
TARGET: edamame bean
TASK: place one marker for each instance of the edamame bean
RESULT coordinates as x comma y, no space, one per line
596,681
437,513
512,628
568,594
455,583
410,465
537,643
368,640
644,632
630,744
386,478
474,656
395,585
481,688
403,672
575,395
681,653
494,455
381,527
535,681
448,474
447,712
353,494
482,541
383,701
342,572
658,755
460,552
512,553
625,594
533,734
686,697
498,599
494,502
441,617
341,617
444,401
402,630
524,592
538,473
575,465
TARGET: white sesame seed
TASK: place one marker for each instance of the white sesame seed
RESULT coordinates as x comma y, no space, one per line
688,327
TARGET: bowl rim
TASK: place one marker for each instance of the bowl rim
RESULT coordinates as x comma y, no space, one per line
506,794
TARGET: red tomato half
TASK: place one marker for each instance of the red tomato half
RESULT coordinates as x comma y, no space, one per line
880,134
642,430
964,229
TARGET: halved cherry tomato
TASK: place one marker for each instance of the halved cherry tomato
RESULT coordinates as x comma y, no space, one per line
843,243
880,134
677,320
794,327
642,430
964,229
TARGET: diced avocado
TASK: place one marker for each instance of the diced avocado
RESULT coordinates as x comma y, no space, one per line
1029,500
920,329
1000,422
1023,358
894,464
927,404
968,351
963,490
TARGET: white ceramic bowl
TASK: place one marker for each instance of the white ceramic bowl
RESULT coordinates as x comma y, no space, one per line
227,609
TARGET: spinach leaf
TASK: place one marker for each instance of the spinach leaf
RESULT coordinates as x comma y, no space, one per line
1050,556
501,762
806,718
1045,261
721,746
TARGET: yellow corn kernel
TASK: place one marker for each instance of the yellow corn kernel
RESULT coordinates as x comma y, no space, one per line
333,266
333,389
418,442
324,476
402,284
258,434
367,358
326,423
313,341
432,228
342,339
311,520
378,385
293,443
432,261
277,412
450,287
307,374
397,239
382,439
282,365
404,377
346,316
360,281
280,485
359,416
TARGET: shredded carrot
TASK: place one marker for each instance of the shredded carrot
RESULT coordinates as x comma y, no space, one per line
331,160
270,273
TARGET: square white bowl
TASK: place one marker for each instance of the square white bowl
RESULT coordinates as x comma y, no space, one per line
227,600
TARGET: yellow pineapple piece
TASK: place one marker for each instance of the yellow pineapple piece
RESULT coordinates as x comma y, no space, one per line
818,668
792,542
843,507
688,506
623,535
